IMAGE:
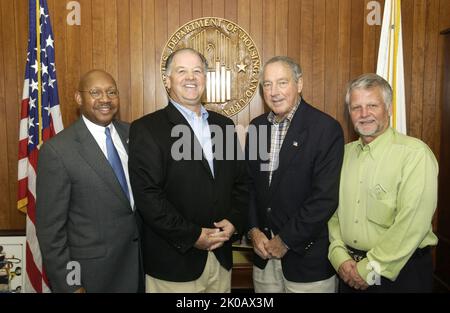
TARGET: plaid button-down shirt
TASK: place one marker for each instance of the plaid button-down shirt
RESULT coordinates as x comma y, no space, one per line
279,131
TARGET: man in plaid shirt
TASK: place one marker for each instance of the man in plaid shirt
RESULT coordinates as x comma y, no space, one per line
295,192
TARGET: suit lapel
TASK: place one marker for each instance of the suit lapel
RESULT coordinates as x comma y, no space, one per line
93,155
177,118
292,144
265,174
217,163
122,134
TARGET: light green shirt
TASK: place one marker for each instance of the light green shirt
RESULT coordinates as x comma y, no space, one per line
387,198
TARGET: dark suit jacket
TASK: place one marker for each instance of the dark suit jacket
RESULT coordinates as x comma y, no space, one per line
83,215
177,198
303,193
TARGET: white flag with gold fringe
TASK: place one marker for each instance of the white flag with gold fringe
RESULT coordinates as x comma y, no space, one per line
390,61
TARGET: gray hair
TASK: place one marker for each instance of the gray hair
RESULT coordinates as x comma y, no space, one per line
174,53
369,81
295,67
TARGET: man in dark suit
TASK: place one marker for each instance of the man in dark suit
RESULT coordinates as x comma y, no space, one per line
85,221
294,193
191,205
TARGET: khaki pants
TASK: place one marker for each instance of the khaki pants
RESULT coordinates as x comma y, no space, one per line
213,279
272,280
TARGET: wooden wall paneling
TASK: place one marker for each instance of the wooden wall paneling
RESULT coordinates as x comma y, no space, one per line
197,10
5,202
256,22
161,35
407,24
87,36
417,80
269,28
150,65
344,27
430,74
11,106
124,79
111,43
58,19
445,13
218,8
306,48
331,58
243,20
98,33
293,29
370,45
319,55
185,11
21,34
269,34
21,31
136,55
444,23
231,10
173,16
357,38
207,8
282,14
73,61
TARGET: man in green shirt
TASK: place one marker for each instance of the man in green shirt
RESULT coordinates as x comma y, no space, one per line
381,233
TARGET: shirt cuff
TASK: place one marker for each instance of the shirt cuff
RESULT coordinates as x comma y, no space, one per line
338,257
365,270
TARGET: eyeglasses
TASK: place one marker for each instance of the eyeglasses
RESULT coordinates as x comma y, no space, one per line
98,94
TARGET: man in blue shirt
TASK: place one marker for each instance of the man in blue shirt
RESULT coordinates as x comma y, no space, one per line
190,205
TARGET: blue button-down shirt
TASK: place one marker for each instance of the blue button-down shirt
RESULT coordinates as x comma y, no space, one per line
200,126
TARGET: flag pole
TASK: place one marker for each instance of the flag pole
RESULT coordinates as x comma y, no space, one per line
38,58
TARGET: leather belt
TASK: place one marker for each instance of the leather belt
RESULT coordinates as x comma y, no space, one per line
358,255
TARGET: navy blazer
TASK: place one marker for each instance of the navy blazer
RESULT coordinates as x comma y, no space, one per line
176,198
303,194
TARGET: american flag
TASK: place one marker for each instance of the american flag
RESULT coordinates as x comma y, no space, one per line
40,120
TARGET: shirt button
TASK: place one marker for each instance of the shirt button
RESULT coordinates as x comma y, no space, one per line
269,210
355,241
356,221
357,201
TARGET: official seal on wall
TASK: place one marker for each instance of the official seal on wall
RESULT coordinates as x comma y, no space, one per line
233,59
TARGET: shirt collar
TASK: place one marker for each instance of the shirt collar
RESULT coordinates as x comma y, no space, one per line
94,128
188,114
376,147
288,118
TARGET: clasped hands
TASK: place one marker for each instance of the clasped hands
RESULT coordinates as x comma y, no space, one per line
213,238
349,274
265,248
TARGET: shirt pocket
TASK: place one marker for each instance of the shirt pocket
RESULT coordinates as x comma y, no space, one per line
381,207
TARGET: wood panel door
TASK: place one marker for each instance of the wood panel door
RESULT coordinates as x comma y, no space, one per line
442,273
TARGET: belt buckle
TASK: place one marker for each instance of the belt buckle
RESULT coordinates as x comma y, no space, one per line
355,257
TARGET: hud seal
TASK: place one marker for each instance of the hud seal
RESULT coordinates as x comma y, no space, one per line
233,59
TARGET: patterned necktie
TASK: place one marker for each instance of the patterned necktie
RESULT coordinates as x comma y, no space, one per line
116,164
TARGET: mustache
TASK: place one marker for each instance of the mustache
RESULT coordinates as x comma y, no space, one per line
106,105
368,120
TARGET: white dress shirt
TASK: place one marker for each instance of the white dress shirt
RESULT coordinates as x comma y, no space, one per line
200,126
98,132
